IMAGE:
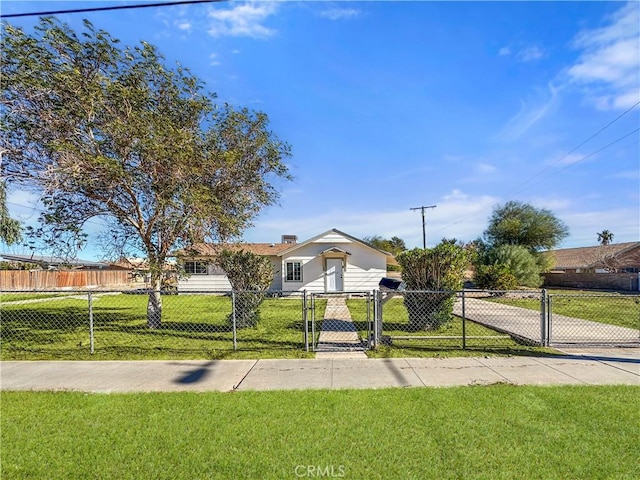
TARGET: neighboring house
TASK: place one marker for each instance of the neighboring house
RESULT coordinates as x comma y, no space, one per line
610,267
616,257
330,262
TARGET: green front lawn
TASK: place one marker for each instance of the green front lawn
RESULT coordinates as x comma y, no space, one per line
22,296
494,432
193,326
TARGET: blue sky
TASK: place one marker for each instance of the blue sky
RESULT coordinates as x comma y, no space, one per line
394,105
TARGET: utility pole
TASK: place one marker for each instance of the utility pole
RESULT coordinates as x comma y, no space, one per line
424,231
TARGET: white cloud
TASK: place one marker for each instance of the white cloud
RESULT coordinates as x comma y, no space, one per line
504,51
23,205
530,54
609,66
457,215
583,226
184,25
530,113
243,20
213,60
627,175
340,13
485,168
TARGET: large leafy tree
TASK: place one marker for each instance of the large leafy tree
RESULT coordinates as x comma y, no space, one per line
109,131
10,229
517,223
394,245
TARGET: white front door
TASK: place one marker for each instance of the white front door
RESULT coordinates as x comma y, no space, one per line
334,281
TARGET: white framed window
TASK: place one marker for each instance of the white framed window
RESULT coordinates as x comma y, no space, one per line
195,268
293,271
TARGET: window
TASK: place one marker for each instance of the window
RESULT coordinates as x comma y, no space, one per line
197,268
293,271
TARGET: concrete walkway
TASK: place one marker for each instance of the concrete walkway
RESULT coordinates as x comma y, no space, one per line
526,324
338,335
579,367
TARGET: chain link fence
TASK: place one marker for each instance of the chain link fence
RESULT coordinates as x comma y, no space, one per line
113,324
472,318
593,319
450,320
208,324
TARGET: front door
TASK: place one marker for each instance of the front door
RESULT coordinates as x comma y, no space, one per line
334,282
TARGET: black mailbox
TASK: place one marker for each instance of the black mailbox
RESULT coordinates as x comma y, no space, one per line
391,284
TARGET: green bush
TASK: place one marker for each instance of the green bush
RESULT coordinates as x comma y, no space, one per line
494,277
521,263
250,276
438,272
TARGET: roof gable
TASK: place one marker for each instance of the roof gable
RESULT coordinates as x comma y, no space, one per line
326,234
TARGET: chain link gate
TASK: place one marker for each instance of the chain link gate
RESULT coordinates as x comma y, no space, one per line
340,322
593,319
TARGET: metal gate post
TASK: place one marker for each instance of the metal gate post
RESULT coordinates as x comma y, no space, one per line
369,320
543,316
377,318
464,324
233,317
90,299
305,321
313,323
549,318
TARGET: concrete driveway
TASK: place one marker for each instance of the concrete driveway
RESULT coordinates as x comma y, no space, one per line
528,325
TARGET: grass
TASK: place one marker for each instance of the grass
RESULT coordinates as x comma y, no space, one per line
492,432
396,323
611,308
194,326
22,296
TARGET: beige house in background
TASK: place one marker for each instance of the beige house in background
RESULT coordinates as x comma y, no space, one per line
617,257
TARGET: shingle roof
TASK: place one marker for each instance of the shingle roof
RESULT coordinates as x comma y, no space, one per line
586,257
209,249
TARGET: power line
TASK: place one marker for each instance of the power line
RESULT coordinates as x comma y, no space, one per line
548,167
619,139
102,9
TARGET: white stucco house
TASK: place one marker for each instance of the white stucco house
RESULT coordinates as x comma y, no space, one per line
330,262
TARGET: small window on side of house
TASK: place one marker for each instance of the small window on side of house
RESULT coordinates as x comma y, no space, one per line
293,271
195,268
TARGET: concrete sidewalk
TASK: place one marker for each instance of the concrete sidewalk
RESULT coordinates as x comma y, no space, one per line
590,367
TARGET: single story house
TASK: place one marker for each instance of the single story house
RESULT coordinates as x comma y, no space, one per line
333,261
615,257
609,267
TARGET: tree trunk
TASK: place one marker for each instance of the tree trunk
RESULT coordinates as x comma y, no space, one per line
154,307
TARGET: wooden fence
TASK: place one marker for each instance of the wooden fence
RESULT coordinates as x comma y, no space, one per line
57,279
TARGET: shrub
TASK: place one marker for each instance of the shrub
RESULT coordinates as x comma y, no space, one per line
437,272
250,276
521,263
494,277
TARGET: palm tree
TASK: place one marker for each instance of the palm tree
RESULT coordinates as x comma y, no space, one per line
605,237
